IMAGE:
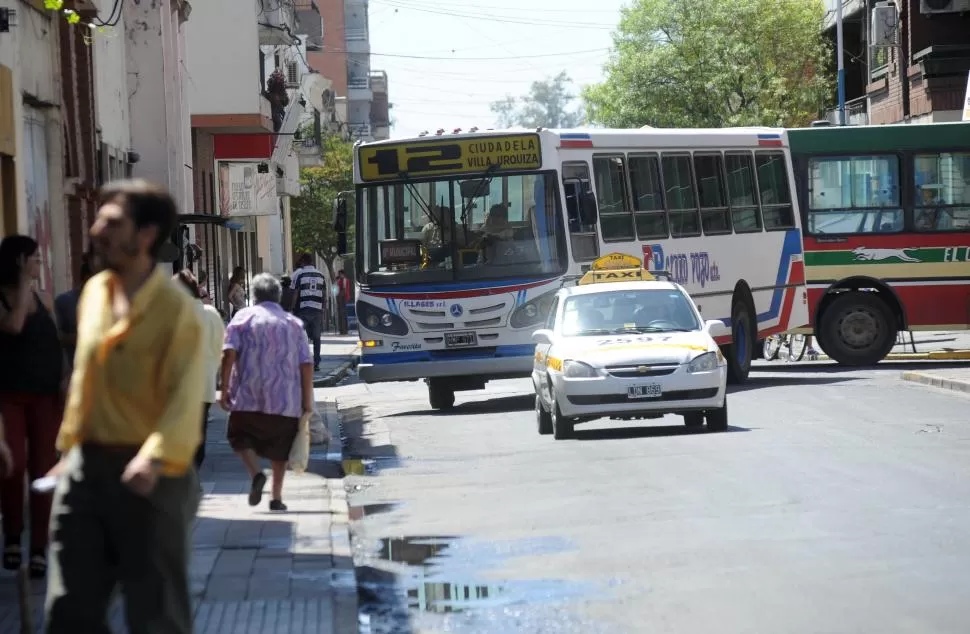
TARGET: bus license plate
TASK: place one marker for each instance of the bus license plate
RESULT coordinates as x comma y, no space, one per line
651,390
460,339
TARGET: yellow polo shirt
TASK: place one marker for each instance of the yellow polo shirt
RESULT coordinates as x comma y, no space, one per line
139,380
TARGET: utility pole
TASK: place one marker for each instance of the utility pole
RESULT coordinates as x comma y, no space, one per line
839,55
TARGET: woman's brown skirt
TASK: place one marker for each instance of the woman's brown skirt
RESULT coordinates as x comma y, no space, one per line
269,435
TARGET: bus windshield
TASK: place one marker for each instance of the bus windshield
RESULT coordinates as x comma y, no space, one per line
483,227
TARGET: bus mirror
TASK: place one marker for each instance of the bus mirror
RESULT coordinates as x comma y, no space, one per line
340,215
478,188
587,207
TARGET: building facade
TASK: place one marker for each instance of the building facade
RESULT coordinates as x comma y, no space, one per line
906,61
246,103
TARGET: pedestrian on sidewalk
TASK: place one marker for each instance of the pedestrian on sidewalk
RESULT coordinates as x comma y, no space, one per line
343,296
127,492
237,291
65,309
288,298
213,332
32,373
309,302
203,283
266,366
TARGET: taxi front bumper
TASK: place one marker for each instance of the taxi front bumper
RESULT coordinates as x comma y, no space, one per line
608,394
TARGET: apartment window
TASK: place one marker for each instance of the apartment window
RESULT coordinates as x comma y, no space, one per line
854,194
942,191
648,202
709,169
616,221
742,193
678,179
776,205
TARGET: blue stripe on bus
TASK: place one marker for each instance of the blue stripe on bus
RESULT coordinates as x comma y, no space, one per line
419,356
792,246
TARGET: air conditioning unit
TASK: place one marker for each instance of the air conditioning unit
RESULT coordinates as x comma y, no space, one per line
930,7
292,75
884,25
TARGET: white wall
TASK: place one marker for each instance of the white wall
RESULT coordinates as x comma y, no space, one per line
111,86
222,35
159,126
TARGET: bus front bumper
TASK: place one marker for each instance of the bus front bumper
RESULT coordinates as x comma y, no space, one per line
500,365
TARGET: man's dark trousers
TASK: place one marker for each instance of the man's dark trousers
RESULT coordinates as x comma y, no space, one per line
313,324
103,534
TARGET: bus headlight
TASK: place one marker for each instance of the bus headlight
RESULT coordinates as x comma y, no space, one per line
533,312
379,320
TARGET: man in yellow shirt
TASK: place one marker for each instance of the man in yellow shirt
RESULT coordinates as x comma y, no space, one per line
127,492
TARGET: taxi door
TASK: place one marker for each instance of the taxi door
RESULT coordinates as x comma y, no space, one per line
539,374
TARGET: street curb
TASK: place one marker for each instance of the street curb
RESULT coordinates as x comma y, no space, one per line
936,355
934,380
344,576
336,376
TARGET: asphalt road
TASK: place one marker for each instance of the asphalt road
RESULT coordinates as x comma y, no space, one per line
838,502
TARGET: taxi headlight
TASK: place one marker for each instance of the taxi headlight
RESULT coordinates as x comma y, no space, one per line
704,363
578,370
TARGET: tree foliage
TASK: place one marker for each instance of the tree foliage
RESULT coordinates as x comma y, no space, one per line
548,105
312,212
714,63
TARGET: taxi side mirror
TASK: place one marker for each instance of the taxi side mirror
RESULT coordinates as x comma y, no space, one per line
715,328
543,336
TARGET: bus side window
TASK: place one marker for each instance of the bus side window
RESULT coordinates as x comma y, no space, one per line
583,238
616,219
776,205
742,198
942,191
678,181
710,193
648,202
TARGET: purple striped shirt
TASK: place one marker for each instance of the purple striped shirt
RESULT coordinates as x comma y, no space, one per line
270,346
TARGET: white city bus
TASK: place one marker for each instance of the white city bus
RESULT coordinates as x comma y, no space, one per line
463,240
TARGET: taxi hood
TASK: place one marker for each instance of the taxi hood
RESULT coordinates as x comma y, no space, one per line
649,348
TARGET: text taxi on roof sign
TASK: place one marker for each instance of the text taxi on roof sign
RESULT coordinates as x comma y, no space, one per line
624,344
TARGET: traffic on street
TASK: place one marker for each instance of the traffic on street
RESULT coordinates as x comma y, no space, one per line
833,503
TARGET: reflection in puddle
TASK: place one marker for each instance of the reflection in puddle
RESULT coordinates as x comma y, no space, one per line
441,577
357,513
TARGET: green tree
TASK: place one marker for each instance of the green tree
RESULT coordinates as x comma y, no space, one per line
714,63
548,105
311,216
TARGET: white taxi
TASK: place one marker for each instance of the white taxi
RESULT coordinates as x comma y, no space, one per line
625,350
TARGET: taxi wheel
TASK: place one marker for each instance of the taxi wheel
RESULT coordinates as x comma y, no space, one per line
562,428
543,418
694,419
717,419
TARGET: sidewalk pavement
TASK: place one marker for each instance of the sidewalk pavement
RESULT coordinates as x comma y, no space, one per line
930,346
254,571
338,356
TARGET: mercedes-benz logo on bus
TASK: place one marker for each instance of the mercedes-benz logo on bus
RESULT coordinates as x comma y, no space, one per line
456,310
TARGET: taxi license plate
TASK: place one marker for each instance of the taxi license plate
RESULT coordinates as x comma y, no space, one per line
460,339
651,390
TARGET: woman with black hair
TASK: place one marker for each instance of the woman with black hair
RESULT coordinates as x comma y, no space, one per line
237,291
31,376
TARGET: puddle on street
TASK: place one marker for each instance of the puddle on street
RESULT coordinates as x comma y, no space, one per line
437,583
361,511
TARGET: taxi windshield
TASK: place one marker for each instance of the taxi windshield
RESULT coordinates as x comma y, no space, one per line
633,311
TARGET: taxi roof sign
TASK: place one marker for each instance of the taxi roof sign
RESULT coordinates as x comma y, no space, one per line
605,276
614,261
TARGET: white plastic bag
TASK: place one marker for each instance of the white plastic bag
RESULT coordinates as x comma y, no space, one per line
300,451
318,429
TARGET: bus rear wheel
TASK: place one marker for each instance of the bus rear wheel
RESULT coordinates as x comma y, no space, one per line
440,394
858,329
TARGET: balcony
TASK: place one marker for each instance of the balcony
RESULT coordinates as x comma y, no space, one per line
359,131
357,40
277,23
358,89
856,112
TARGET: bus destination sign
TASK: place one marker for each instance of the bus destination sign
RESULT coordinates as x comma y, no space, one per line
442,156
